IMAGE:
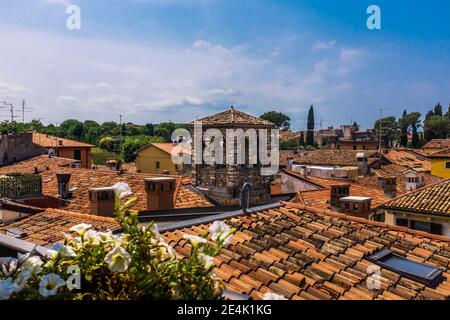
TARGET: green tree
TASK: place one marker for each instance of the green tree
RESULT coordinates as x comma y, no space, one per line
389,130
132,144
149,129
310,127
437,127
302,138
289,144
165,129
448,112
280,120
403,124
414,118
438,110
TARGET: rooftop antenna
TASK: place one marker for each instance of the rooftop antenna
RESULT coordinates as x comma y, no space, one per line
379,138
24,109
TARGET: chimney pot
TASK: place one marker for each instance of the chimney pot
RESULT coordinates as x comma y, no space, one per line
63,184
338,191
160,193
102,201
389,186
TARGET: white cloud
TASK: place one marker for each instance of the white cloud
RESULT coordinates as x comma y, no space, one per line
324,45
97,79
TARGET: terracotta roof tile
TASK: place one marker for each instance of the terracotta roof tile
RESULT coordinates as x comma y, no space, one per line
437,144
232,117
84,179
48,227
433,199
326,157
48,141
332,266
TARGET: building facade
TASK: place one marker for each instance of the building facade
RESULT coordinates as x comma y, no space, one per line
65,148
425,209
440,163
223,182
157,158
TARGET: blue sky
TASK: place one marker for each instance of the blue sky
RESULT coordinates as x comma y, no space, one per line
159,60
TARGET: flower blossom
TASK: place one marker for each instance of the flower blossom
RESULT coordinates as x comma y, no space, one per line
118,260
80,228
7,288
220,231
64,251
122,190
195,239
208,261
49,284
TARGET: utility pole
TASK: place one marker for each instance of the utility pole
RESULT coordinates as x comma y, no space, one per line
381,117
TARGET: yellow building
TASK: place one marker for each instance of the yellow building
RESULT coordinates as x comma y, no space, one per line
440,163
157,158
425,209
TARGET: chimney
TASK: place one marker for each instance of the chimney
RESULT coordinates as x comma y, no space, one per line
63,185
413,180
389,186
160,192
290,160
102,201
356,206
361,162
338,191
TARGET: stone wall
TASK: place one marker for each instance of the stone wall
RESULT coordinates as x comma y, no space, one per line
224,182
18,147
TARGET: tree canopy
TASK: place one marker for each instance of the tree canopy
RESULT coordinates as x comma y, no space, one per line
280,120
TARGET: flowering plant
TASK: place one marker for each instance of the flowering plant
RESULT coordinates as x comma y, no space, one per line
137,264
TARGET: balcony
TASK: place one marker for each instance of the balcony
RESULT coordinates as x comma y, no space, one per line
19,186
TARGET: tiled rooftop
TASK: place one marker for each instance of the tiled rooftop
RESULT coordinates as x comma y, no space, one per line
310,254
432,199
233,116
408,160
321,198
48,141
84,179
437,144
392,170
327,157
440,154
48,227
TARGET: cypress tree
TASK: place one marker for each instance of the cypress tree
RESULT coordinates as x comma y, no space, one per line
310,127
404,130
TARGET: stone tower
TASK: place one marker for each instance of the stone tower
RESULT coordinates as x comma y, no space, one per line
223,182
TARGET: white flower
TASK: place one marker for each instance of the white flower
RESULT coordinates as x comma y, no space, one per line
80,228
7,288
155,231
91,237
64,251
51,254
195,239
105,237
32,264
219,230
118,260
21,280
207,260
122,190
49,284
168,248
273,296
